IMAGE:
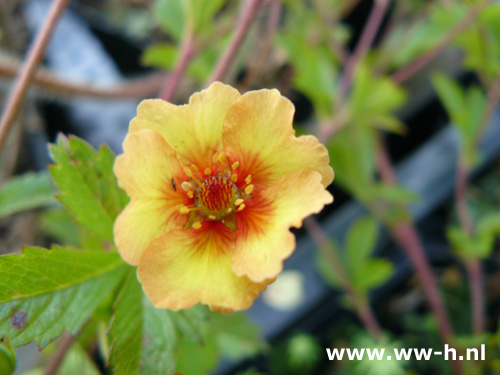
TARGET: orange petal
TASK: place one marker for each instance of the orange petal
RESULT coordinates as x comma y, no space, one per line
190,266
145,171
193,130
258,133
263,237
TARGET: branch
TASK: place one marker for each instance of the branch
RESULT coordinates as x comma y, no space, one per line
229,54
63,347
361,305
44,79
368,35
172,81
409,70
28,69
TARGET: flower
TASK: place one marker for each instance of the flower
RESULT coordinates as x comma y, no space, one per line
215,186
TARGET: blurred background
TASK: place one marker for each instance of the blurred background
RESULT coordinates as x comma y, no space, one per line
404,95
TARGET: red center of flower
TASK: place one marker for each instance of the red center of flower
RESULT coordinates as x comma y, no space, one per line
217,194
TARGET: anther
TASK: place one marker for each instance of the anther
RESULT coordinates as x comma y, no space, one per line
222,157
186,186
238,201
196,225
241,207
184,210
235,165
229,210
248,179
190,194
214,158
208,171
234,177
212,217
194,168
249,189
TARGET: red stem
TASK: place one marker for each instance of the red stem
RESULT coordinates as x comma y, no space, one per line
360,304
409,70
172,81
28,69
368,35
476,288
229,54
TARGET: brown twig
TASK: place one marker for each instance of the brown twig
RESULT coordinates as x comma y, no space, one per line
172,81
368,35
44,79
62,349
28,69
244,23
409,70
265,50
361,305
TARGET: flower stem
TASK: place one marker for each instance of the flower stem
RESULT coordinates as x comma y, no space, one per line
476,288
415,66
172,81
28,69
368,35
246,18
330,253
62,349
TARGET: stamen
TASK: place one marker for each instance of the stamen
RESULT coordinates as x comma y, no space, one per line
229,210
190,194
186,186
235,165
234,177
196,225
214,158
184,210
248,179
222,158
249,189
212,217
194,168
208,171
241,207
238,201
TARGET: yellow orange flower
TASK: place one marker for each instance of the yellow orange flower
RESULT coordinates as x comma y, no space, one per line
215,186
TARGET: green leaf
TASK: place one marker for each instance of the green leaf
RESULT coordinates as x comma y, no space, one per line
26,192
88,186
189,323
237,337
143,338
160,55
361,239
44,293
450,93
170,15
196,359
391,193
77,362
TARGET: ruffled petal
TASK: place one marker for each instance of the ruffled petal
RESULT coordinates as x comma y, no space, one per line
150,172
186,267
142,221
258,133
193,130
263,237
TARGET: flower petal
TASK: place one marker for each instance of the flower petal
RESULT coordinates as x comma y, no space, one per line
190,266
142,221
263,238
148,170
258,133
193,130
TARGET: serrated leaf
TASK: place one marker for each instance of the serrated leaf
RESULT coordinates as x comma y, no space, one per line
87,183
189,323
143,337
237,337
7,357
26,192
361,240
44,293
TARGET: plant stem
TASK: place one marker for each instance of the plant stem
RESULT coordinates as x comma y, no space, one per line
46,80
409,70
475,273
64,345
368,35
172,81
28,69
265,49
330,253
246,18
